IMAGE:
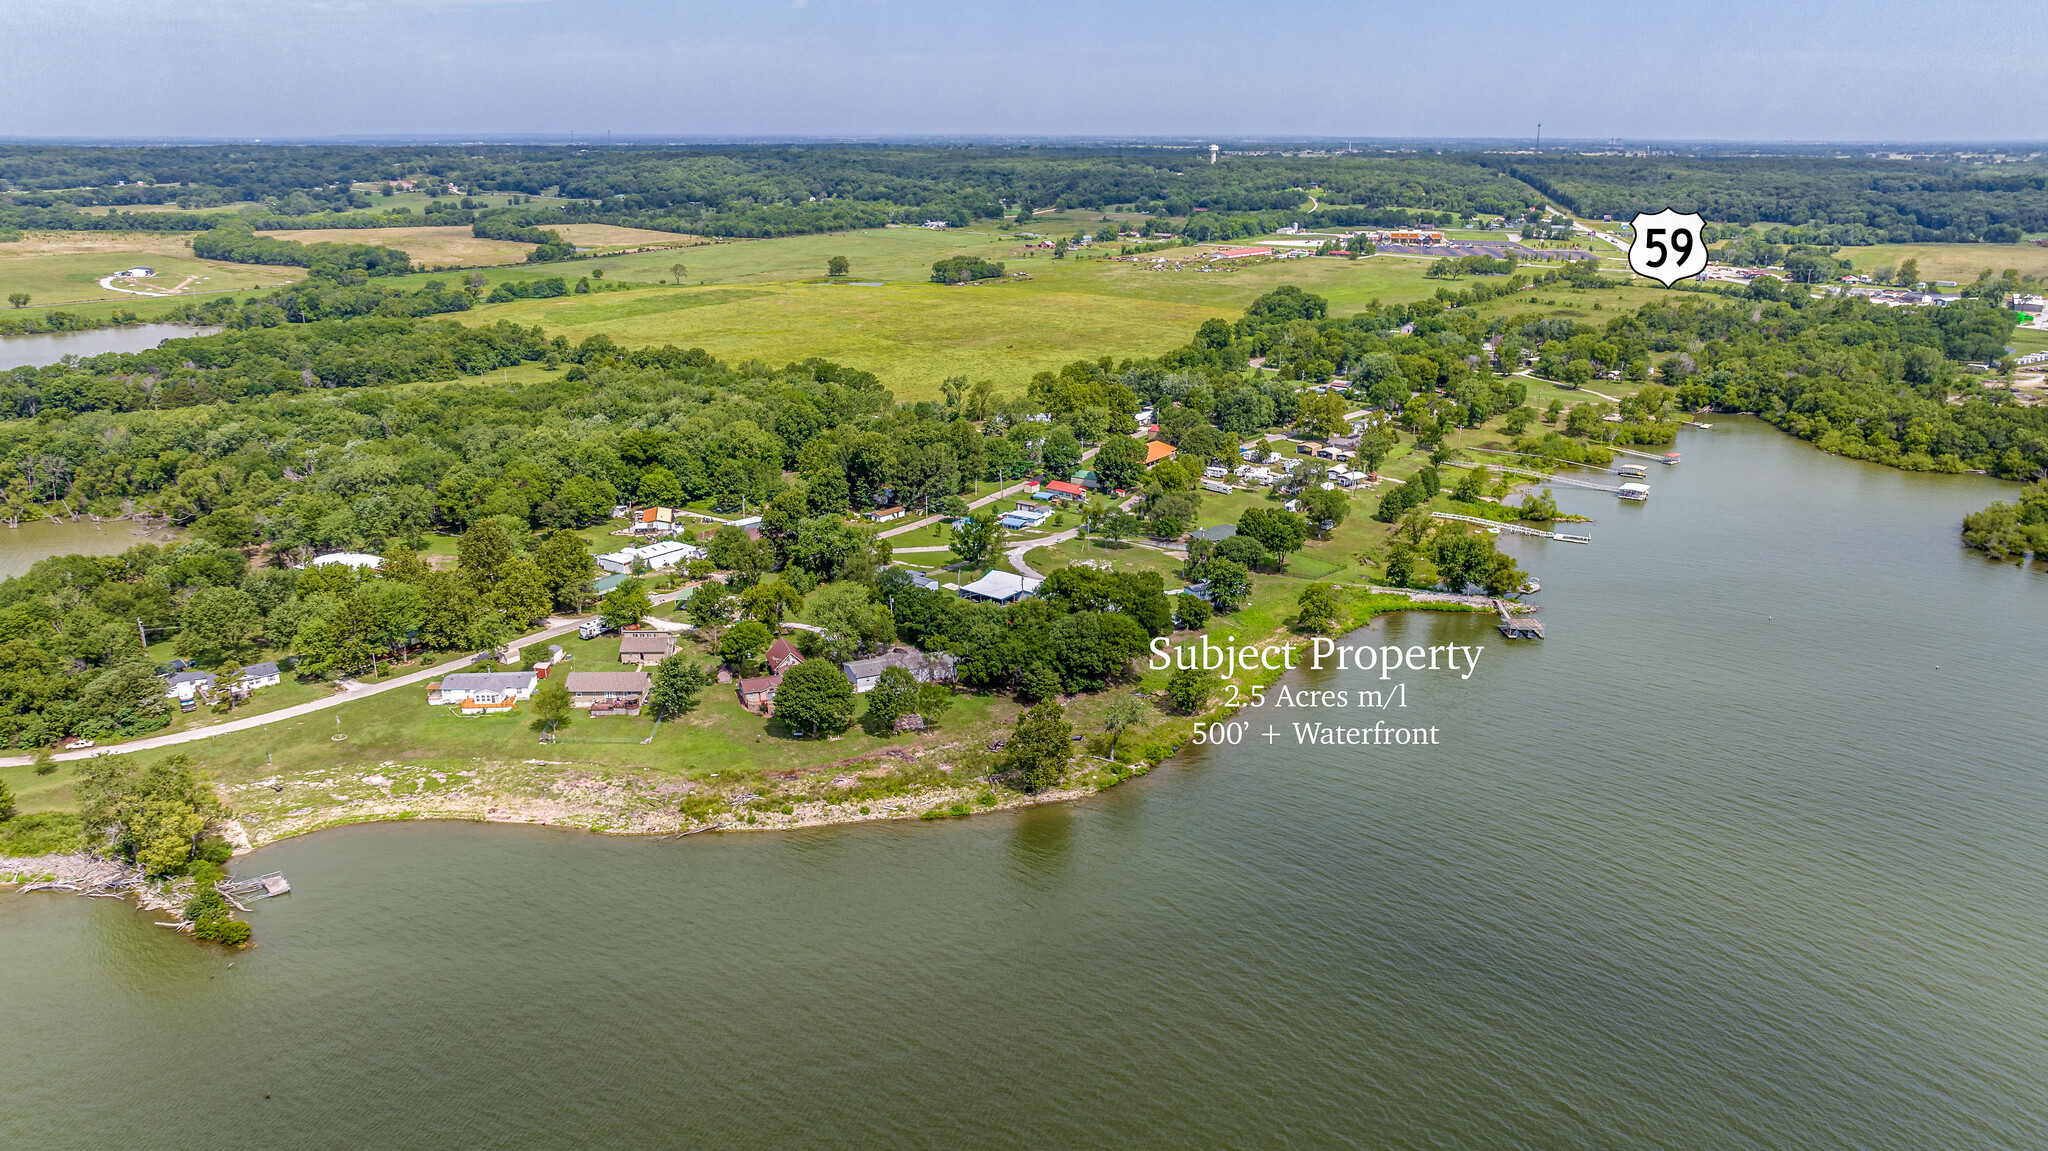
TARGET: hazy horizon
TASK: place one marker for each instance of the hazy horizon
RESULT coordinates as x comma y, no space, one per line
1939,74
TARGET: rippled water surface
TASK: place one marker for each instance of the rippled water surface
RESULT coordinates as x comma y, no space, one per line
1748,854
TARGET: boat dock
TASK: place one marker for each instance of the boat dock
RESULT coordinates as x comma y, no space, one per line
261,887
1518,628
1512,529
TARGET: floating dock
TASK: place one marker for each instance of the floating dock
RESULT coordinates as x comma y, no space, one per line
1515,627
1512,529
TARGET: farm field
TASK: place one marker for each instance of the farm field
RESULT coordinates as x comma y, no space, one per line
451,245
1958,262
613,236
66,267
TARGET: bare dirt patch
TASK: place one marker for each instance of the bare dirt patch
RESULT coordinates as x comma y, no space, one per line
613,236
450,246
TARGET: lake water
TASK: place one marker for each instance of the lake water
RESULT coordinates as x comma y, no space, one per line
21,547
35,351
1748,854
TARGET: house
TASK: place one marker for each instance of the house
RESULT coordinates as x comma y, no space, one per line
1157,450
865,673
1062,490
884,515
604,584
657,556
747,524
1024,516
654,521
919,579
185,686
1000,587
1216,534
646,648
783,655
608,692
1090,480
482,687
349,559
258,675
757,693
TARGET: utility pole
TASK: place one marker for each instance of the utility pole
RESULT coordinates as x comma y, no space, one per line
144,633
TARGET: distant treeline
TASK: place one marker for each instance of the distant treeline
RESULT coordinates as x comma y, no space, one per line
1848,201
238,246
765,192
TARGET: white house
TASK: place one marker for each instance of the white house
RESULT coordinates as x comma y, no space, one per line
657,556
349,559
258,675
1000,587
487,688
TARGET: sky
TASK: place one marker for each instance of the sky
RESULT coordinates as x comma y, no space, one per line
1930,70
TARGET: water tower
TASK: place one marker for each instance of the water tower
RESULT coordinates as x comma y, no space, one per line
1212,153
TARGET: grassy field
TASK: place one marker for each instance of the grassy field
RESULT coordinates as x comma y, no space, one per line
451,246
1958,262
66,267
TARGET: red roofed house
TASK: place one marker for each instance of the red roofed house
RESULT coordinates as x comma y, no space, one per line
1062,490
1157,450
654,520
757,693
782,656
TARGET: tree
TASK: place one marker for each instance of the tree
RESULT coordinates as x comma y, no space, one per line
1325,508
1191,612
1117,525
709,605
1060,454
1471,486
1909,274
658,486
934,700
815,697
1126,713
1317,609
770,602
566,568
6,802
1120,462
1462,559
522,592
1277,530
626,605
675,686
1092,647
482,553
153,815
1038,681
218,624
552,708
1373,448
1041,746
18,299
1230,585
1322,415
745,645
838,266
1189,688
893,696
977,538
678,271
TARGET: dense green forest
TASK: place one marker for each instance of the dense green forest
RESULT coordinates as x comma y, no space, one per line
755,192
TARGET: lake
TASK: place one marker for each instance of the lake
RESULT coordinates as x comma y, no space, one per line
21,547
36,351
1747,854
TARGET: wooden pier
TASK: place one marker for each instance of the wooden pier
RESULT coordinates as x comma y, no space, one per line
1516,628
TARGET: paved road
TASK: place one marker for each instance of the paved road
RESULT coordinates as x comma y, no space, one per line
555,627
930,520
1017,553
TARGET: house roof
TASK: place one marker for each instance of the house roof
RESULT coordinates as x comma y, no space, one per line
1001,585
182,677
1158,450
259,670
1065,488
642,642
601,586
755,684
909,658
488,681
596,681
783,655
656,515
